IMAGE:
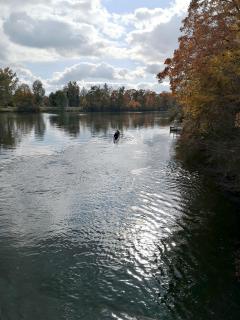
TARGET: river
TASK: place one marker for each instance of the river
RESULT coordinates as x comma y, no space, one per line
91,230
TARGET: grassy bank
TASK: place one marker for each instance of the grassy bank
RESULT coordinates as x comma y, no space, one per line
8,109
76,110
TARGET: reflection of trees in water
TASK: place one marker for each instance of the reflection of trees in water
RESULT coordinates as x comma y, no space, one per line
103,122
196,275
14,126
39,127
67,121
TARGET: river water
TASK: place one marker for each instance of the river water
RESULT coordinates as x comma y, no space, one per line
91,230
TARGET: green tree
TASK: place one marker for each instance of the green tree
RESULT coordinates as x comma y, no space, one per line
118,99
58,100
105,97
93,98
38,92
8,84
83,100
73,94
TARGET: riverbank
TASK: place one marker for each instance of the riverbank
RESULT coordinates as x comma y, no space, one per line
8,109
42,110
77,110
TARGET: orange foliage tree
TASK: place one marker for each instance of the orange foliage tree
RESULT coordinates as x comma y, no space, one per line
205,70
204,74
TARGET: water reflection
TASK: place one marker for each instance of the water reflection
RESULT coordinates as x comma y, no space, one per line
13,127
70,123
104,231
103,122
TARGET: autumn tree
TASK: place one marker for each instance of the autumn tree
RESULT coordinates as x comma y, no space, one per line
24,99
134,105
117,99
204,73
150,100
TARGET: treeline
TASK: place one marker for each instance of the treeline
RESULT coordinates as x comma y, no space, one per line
104,98
19,95
98,98
205,79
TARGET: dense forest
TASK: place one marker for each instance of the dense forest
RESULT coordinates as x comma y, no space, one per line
22,97
204,73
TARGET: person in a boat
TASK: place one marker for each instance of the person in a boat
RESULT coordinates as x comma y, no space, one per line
116,135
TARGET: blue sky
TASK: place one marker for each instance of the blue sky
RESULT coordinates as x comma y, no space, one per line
128,6
90,41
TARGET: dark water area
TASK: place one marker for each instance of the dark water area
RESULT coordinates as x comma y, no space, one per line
90,229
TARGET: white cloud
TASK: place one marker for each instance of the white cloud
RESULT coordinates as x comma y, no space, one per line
153,86
89,74
155,45
153,68
91,12
57,30
70,28
24,74
85,71
181,6
96,71
76,28
52,34
144,18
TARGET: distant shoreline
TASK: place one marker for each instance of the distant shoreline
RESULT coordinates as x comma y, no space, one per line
75,110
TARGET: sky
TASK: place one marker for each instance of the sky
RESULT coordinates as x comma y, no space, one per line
119,42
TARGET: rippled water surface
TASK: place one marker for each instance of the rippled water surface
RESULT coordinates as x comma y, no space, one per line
90,229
